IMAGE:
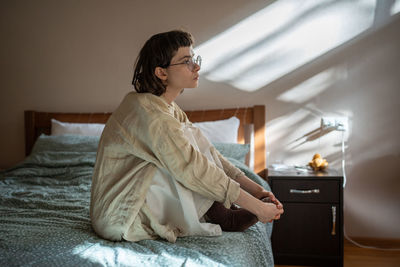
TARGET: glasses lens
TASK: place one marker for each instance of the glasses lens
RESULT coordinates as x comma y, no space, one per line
194,61
198,61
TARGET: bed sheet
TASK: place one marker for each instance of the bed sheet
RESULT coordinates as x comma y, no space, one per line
44,221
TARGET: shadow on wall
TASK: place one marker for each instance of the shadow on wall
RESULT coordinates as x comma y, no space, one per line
298,86
294,115
374,183
311,136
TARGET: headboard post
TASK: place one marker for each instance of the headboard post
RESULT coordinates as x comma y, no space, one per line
259,141
29,131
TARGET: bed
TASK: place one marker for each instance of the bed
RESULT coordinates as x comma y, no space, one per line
44,204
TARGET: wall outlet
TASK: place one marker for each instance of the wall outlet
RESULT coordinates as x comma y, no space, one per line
337,123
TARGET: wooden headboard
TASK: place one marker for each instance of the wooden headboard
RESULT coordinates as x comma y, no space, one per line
37,123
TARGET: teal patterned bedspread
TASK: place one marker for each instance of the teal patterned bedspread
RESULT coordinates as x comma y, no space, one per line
44,219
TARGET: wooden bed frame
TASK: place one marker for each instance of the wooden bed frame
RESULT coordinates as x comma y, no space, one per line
37,123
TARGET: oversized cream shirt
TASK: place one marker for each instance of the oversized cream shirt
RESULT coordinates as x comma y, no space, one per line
142,135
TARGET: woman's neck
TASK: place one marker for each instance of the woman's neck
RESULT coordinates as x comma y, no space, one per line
171,94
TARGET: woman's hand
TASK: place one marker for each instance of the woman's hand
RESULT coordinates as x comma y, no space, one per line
268,212
270,197
266,194
257,190
265,211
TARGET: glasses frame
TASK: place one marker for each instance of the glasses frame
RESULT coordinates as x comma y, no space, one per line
190,63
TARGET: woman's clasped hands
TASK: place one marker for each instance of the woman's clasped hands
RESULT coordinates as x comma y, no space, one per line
270,208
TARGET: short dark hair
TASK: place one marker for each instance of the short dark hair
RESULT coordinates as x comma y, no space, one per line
157,52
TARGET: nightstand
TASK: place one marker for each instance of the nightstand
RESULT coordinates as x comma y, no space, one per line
310,232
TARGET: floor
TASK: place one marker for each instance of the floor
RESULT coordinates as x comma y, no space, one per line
355,256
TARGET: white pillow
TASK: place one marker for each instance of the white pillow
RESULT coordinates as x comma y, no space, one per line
221,131
86,129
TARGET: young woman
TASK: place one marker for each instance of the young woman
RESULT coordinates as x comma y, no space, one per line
156,175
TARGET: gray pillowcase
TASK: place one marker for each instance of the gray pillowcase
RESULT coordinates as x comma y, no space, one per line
79,143
232,150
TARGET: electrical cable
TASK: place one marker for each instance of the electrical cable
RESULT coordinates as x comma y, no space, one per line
344,228
343,162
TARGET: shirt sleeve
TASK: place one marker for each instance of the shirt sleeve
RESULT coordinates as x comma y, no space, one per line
230,169
189,166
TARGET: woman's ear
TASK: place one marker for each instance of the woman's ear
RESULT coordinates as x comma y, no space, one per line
161,73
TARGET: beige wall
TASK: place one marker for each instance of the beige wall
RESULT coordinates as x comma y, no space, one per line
78,56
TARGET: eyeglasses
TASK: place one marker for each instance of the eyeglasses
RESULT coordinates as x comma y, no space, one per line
190,63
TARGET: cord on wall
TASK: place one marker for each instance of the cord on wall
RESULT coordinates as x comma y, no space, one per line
343,162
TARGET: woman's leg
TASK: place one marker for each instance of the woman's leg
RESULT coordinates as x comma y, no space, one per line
231,220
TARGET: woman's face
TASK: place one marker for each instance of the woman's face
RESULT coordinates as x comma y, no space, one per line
182,72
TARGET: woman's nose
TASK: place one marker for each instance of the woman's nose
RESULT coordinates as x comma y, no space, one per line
196,67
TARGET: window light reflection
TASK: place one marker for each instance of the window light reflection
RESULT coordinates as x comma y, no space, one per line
280,38
313,86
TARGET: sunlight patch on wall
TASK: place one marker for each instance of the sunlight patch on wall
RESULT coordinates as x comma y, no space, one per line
280,38
313,86
282,127
395,8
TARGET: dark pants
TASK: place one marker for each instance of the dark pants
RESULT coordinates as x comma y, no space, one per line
231,220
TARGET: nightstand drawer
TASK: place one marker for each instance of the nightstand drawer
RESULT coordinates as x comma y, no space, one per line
306,190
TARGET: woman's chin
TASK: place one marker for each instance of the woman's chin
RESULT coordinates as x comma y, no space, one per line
195,85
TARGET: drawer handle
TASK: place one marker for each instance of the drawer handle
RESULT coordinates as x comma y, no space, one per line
312,191
333,232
